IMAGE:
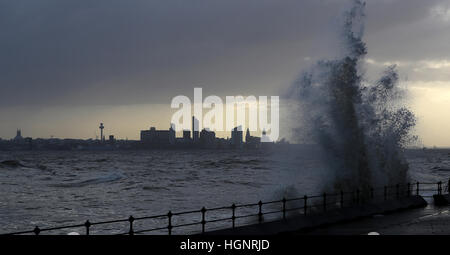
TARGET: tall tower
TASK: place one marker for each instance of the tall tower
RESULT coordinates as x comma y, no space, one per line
101,131
195,131
193,127
247,135
18,135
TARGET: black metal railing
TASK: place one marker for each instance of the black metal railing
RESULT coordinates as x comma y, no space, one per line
283,208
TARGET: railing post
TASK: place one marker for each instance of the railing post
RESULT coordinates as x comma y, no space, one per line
417,188
131,220
169,226
305,206
260,211
324,202
409,189
284,208
357,196
203,219
439,188
87,224
342,199
233,217
385,193
37,230
397,190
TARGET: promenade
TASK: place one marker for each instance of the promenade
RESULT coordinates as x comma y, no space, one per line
326,220
430,220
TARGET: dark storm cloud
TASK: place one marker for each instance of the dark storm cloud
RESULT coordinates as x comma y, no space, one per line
55,52
408,30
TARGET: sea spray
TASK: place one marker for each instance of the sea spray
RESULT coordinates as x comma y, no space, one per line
361,127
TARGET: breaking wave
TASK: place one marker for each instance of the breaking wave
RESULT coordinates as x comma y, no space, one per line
361,127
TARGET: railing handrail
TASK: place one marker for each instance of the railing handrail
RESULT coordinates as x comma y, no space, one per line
339,201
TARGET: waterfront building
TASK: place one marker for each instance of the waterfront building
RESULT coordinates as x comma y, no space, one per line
252,142
186,135
101,127
236,137
195,129
207,138
18,137
158,138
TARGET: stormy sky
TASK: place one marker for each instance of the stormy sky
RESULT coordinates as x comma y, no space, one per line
67,65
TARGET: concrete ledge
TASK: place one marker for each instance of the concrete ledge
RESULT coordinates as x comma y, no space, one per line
302,223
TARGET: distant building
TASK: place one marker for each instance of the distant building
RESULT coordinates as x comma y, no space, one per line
186,134
158,138
111,140
252,142
237,137
222,143
265,138
101,127
18,137
29,142
195,130
208,138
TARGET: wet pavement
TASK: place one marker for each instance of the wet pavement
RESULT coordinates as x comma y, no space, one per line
431,220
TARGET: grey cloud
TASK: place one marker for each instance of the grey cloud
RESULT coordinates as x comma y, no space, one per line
55,52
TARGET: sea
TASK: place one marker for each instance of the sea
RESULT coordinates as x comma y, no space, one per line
59,188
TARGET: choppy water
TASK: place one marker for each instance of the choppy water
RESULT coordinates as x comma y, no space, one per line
60,188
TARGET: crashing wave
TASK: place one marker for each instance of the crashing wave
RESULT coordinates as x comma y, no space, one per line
361,128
